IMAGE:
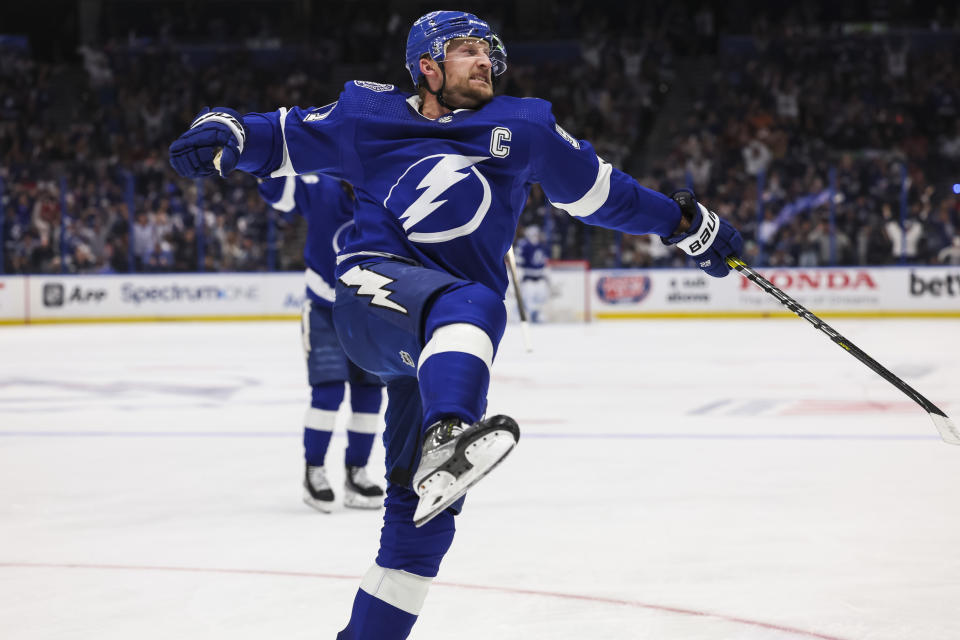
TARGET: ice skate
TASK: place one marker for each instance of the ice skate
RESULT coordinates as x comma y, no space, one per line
359,492
316,489
455,457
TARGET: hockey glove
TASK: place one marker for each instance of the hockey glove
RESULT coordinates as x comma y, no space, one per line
192,154
709,240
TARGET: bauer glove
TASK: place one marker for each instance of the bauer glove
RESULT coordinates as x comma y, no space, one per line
212,144
709,240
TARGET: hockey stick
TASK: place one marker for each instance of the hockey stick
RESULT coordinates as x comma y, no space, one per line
524,323
948,431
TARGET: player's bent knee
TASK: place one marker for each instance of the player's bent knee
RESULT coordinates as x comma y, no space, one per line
401,589
470,304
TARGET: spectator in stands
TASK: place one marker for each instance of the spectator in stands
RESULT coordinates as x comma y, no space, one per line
144,240
757,155
950,254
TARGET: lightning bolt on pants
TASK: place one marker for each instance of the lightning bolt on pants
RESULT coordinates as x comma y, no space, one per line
450,328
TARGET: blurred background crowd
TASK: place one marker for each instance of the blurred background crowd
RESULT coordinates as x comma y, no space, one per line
830,135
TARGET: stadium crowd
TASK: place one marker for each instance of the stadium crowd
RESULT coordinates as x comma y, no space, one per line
784,110
87,187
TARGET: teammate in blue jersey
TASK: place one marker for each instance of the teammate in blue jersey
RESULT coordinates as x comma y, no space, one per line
441,177
532,254
328,208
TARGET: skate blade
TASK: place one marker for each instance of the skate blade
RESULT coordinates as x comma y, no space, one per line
354,501
484,455
319,505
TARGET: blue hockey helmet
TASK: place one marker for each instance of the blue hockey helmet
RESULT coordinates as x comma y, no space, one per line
430,33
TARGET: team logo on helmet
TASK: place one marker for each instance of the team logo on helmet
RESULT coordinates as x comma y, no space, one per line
431,32
447,184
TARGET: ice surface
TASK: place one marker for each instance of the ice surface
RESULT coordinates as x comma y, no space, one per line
674,480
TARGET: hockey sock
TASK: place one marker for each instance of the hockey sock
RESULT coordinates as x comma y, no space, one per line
454,383
360,443
390,599
403,545
365,402
386,605
463,329
319,420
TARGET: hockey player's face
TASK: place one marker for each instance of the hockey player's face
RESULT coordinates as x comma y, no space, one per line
469,73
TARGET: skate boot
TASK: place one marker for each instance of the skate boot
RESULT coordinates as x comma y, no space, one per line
455,457
359,492
316,490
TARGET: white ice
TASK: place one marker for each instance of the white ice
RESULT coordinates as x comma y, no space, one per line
674,480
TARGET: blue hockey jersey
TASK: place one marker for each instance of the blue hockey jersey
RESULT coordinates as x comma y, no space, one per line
447,193
328,210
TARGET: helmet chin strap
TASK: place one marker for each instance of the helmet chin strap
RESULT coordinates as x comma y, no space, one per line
438,94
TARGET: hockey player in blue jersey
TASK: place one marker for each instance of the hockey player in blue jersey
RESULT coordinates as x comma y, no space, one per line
532,262
328,208
441,177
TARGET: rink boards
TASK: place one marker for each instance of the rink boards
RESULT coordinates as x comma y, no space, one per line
120,298
596,294
855,291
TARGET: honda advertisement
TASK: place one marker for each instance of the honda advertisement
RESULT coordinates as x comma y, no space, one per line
854,291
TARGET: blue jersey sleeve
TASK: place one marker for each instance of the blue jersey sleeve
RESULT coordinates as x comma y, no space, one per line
578,181
294,141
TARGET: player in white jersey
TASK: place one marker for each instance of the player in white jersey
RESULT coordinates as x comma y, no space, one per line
441,178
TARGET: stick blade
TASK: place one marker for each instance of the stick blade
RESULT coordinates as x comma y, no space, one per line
527,340
948,430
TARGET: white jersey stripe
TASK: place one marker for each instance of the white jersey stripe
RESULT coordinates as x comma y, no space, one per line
286,203
595,197
462,337
286,167
305,326
319,286
401,589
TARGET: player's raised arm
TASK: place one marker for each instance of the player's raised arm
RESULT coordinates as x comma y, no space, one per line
285,142
581,183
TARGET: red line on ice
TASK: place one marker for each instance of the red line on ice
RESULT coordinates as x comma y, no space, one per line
475,587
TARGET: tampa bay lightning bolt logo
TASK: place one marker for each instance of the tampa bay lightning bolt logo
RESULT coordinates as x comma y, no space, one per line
337,240
429,184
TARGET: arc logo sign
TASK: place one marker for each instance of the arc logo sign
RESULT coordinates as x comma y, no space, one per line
623,289
55,294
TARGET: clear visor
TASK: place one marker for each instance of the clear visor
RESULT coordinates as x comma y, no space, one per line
468,48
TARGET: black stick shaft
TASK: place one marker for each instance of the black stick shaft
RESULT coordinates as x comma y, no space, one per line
817,323
512,265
